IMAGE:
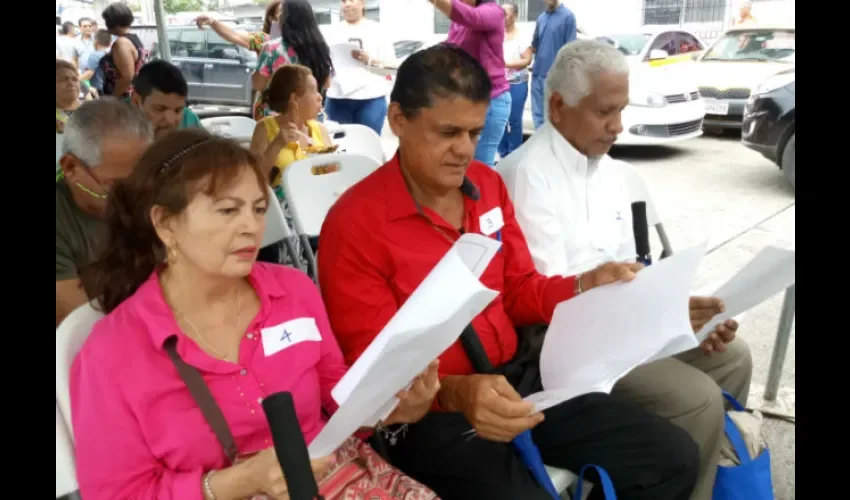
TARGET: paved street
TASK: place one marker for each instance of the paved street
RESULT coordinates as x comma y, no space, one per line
714,188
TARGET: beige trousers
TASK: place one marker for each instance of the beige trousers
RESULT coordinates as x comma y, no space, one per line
685,389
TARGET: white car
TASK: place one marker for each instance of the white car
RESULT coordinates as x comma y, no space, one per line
665,104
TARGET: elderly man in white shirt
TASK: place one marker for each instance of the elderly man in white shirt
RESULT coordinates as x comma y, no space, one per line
574,208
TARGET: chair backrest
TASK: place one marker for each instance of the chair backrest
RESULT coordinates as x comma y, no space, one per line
70,337
238,128
311,196
66,468
59,139
360,140
639,191
277,228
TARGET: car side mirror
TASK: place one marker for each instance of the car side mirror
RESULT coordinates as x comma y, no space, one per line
656,54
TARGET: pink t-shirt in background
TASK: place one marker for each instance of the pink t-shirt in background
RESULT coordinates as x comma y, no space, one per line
138,432
480,31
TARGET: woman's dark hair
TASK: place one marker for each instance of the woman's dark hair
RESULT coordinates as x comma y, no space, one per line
117,15
63,64
169,174
271,10
441,71
299,29
286,80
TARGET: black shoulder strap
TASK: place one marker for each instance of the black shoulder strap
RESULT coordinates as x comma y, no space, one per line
204,399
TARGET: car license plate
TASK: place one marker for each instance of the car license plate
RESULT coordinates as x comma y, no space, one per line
716,107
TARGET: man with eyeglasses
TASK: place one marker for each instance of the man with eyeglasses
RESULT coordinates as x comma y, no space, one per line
103,140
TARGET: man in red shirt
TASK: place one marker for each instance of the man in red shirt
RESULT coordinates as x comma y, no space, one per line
386,233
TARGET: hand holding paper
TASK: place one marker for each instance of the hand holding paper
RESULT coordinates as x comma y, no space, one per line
427,324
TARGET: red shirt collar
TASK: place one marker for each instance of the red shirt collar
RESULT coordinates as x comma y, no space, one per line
400,202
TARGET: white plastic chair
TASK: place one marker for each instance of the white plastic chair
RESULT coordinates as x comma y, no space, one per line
70,336
60,138
238,128
66,469
360,140
311,196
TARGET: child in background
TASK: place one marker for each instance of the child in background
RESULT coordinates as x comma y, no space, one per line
89,67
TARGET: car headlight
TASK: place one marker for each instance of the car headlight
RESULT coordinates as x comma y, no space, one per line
775,82
650,100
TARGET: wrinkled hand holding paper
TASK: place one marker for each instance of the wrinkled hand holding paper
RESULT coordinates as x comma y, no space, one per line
428,323
598,337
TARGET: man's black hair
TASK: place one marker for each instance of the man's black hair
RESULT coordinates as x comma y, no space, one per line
161,76
117,15
84,20
67,28
442,71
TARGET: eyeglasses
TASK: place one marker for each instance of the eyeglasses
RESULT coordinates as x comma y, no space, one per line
90,172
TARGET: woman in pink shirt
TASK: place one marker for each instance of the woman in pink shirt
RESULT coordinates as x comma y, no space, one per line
478,27
181,287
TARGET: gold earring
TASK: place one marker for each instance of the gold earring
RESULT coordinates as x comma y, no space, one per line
170,255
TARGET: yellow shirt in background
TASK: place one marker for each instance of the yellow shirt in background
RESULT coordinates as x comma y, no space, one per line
292,151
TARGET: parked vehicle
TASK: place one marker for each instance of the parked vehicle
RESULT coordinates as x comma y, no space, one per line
218,72
770,122
665,105
739,60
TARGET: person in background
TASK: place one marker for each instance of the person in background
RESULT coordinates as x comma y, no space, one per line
301,42
517,58
555,27
384,235
103,140
90,69
67,92
478,27
293,131
745,14
574,208
86,38
179,283
68,46
128,53
251,41
366,102
159,91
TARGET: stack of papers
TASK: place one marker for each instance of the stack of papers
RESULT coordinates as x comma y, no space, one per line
597,338
349,73
429,322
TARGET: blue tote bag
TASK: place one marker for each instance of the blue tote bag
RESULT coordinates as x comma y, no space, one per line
751,479
604,479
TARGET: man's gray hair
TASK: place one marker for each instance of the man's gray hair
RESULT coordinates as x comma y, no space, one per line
95,121
577,64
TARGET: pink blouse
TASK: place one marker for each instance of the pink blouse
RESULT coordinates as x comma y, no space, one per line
138,432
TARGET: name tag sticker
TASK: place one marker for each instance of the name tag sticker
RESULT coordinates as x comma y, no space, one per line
284,335
491,222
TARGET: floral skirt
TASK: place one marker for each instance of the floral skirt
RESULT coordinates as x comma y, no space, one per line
361,474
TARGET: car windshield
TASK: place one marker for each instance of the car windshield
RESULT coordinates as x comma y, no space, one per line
630,45
754,45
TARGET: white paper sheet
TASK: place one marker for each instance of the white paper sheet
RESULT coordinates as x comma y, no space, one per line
770,272
428,323
598,337
349,73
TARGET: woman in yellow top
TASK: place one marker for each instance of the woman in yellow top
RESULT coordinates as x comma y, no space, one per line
293,133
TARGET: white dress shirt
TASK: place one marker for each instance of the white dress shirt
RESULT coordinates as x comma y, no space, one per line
575,212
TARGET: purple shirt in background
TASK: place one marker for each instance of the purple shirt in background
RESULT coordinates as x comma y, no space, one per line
480,31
